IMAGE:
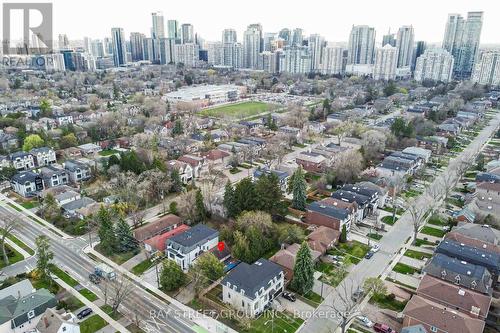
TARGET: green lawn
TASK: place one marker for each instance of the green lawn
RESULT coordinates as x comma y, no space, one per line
375,236
331,275
405,269
311,298
92,324
436,220
118,258
389,220
388,302
108,152
30,204
140,268
109,311
417,255
433,231
419,242
12,255
283,322
237,110
19,243
355,250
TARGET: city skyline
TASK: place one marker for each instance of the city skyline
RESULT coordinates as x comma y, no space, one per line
334,28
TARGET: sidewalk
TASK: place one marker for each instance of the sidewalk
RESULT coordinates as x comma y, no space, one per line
208,323
19,249
116,325
135,260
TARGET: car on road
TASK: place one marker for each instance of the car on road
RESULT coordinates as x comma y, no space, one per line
84,313
383,328
375,248
94,278
358,294
289,296
369,254
365,321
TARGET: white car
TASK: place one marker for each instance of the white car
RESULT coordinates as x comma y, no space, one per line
375,247
365,321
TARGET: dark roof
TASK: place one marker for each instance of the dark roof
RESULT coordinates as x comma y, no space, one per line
405,156
17,310
363,190
487,177
25,176
194,235
482,232
414,329
19,154
332,211
348,196
447,268
261,171
251,278
473,255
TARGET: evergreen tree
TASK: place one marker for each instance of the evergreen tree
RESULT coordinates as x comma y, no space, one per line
175,177
172,276
44,256
299,188
172,207
343,235
201,211
178,129
257,243
229,200
106,231
124,236
303,271
245,196
268,194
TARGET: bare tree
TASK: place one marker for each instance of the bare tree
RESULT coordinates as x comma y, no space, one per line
211,183
344,303
120,290
417,215
8,226
397,184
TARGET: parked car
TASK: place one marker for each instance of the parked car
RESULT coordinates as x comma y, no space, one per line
383,328
375,248
94,278
289,296
365,321
84,313
369,254
358,294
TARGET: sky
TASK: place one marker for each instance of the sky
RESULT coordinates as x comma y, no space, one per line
332,19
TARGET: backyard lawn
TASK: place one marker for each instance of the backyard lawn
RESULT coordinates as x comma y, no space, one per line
238,110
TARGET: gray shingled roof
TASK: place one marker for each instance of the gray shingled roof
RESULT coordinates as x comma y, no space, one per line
251,278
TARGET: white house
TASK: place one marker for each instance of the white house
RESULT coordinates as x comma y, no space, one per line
185,170
186,247
250,288
43,156
53,321
22,161
423,153
26,183
77,171
54,176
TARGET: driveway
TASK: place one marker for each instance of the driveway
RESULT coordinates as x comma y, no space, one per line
298,308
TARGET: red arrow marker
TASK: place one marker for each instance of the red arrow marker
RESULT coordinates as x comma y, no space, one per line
221,246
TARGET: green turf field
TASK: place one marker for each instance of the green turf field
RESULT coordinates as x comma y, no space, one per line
238,110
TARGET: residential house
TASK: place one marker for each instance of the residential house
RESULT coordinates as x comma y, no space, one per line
164,224
460,272
322,239
470,254
382,192
73,208
361,201
77,170
295,132
185,170
27,183
311,162
487,177
282,176
286,259
159,242
43,156
22,161
374,200
22,313
215,156
186,247
53,321
63,120
487,199
464,215
424,154
66,196
439,318
250,288
454,297
318,213
436,144
8,141
316,127
196,162
89,149
477,235
54,176
4,162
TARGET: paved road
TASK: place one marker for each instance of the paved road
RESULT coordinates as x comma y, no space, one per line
391,243
68,255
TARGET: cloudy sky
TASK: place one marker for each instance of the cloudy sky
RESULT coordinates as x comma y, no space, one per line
330,18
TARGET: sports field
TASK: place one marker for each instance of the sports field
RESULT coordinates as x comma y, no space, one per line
238,110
